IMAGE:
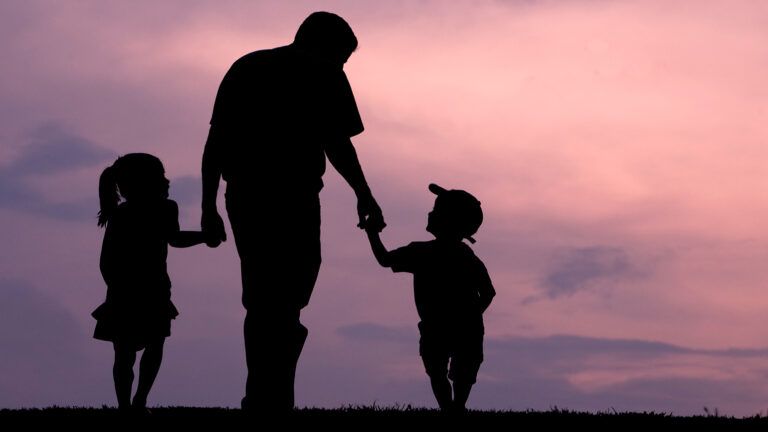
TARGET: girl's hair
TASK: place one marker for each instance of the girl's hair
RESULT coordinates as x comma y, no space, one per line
108,196
122,178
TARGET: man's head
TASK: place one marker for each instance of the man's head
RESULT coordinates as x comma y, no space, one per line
456,214
328,35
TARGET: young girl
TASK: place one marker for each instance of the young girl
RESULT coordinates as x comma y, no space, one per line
138,311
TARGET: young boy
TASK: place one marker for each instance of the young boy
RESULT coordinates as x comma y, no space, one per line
452,289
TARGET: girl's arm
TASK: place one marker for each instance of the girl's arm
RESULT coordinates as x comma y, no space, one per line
183,239
379,251
109,259
177,238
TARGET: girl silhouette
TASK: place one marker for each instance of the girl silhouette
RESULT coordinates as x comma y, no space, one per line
138,311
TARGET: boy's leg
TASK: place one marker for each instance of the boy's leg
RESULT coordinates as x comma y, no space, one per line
122,373
435,359
148,368
464,367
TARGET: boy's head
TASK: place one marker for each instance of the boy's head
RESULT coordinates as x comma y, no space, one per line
456,214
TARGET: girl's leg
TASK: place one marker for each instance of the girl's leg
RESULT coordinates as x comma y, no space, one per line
122,373
150,365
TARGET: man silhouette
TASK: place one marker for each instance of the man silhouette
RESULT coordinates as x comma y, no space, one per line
278,114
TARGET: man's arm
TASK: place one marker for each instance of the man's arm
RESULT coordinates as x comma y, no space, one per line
342,155
211,222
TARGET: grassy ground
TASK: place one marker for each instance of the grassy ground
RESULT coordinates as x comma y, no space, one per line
364,418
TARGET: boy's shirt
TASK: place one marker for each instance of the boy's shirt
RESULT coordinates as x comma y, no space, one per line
450,283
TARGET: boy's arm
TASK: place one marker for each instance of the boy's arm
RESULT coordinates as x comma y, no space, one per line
379,251
486,298
486,291
183,239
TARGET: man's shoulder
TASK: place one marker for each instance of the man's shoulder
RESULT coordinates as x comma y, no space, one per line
262,56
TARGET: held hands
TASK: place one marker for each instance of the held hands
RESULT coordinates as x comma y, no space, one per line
369,212
213,228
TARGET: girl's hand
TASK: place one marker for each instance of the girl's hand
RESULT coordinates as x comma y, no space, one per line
211,240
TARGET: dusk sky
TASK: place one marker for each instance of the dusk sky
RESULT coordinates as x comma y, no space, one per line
618,149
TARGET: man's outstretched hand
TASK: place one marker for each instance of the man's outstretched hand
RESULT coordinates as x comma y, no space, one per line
369,213
213,228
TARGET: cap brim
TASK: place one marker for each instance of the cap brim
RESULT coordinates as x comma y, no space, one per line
435,189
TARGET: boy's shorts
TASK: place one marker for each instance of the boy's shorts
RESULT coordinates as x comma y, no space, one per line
464,350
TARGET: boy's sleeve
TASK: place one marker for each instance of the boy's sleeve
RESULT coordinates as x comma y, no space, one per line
405,259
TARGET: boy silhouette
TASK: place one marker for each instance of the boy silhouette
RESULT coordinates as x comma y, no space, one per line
452,289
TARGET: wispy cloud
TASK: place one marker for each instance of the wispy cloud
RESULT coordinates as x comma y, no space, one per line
46,152
580,269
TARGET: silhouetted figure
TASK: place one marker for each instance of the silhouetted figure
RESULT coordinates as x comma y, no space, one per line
278,114
452,289
138,310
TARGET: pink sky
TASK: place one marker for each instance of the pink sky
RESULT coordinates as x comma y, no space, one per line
618,149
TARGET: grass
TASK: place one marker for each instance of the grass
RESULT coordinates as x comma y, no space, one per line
367,417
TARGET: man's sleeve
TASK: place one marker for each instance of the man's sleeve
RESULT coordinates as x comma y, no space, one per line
345,119
225,106
405,259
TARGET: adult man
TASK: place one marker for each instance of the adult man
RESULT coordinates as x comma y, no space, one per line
277,115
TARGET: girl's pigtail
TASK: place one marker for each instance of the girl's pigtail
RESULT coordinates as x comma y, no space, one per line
108,197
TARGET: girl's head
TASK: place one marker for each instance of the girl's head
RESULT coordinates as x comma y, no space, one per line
134,177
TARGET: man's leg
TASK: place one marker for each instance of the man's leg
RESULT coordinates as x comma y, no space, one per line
441,388
460,395
274,335
274,340
279,250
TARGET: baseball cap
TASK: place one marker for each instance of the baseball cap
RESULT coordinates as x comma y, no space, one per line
464,209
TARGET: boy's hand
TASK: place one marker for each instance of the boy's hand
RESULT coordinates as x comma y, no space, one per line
369,212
